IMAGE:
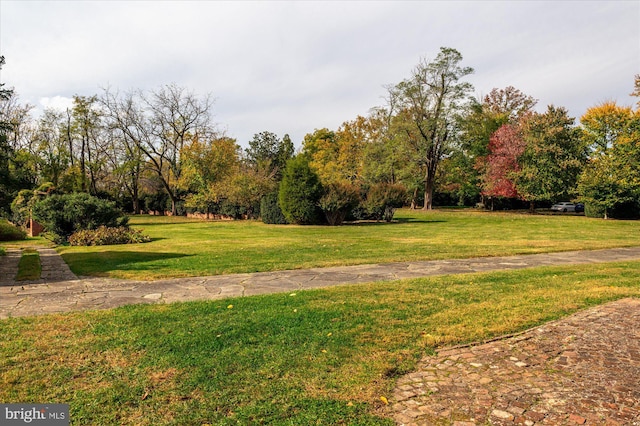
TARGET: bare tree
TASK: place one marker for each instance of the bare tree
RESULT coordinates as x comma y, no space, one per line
159,125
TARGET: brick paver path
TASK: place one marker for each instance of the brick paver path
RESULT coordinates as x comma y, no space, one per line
584,369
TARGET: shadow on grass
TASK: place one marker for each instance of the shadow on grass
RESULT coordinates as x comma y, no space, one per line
398,221
99,263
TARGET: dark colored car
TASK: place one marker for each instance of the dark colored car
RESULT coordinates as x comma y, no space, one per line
579,208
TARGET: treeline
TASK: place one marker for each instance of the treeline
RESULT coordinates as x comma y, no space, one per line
431,143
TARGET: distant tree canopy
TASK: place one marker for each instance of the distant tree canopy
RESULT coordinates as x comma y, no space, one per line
431,143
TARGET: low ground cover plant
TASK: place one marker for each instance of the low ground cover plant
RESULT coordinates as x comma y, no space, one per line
104,236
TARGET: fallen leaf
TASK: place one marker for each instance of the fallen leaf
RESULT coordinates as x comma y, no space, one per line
385,400
230,307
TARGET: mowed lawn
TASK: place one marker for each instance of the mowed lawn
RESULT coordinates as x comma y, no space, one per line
322,357
184,247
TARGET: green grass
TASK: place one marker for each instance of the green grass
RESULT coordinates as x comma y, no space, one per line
183,247
3,251
310,357
29,268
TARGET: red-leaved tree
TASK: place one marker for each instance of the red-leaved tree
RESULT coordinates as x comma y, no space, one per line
505,146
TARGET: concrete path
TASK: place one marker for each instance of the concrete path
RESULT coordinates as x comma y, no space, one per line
59,290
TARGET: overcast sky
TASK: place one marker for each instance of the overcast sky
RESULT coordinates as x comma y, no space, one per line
292,67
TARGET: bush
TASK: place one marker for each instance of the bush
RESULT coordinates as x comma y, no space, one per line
299,193
270,211
65,214
8,232
591,210
383,199
104,236
337,202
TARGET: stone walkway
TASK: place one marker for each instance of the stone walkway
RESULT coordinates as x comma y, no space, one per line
581,370
60,291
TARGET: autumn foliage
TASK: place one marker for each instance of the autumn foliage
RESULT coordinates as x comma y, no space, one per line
505,146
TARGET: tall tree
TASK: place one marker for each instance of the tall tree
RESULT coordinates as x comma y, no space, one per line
86,123
159,125
553,157
505,148
176,118
430,100
612,176
128,124
52,148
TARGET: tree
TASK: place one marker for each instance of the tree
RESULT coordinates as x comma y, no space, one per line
505,148
636,90
552,159
176,117
478,124
300,191
604,124
51,146
269,154
208,167
17,165
611,178
127,122
159,125
429,100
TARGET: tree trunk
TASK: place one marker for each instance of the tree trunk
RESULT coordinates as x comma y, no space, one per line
532,206
69,140
429,184
136,201
414,199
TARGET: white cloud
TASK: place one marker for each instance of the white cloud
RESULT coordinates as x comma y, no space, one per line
60,103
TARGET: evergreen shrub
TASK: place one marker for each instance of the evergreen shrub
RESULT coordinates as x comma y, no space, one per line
299,193
270,211
62,215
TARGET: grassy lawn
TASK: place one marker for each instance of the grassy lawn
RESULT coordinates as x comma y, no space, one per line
29,267
183,247
313,357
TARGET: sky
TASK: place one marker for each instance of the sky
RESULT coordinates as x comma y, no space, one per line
295,66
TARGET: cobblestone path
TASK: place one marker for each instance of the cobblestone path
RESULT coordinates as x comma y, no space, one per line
581,370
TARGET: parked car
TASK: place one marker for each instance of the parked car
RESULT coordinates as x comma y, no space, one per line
564,206
579,208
